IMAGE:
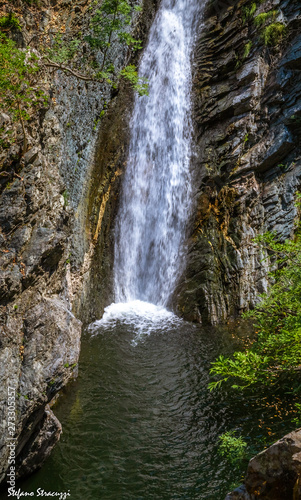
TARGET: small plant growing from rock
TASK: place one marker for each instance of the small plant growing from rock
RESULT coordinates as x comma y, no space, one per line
247,49
273,34
249,11
108,26
262,19
65,195
19,87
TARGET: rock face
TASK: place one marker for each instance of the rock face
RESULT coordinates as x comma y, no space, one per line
274,474
246,162
40,337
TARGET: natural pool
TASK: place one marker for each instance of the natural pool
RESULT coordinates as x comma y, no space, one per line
139,422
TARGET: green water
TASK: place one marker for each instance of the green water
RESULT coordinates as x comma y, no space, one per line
140,424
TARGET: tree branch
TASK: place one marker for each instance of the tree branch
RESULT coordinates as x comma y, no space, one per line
52,64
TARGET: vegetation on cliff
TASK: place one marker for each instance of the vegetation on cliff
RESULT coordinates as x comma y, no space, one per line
276,351
24,68
19,83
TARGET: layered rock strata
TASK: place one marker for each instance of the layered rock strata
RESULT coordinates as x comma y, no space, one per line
246,163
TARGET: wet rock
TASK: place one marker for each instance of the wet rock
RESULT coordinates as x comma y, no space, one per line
39,447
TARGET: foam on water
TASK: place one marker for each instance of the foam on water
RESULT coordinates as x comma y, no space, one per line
141,317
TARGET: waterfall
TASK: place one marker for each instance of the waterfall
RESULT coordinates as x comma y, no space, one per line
156,192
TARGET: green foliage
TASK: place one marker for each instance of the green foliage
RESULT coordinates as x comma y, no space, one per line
101,115
262,19
109,25
297,420
111,18
244,368
249,11
138,84
66,198
274,33
20,93
62,51
247,49
231,447
276,351
20,82
10,22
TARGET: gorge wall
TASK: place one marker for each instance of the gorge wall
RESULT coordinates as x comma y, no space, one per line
59,201
247,109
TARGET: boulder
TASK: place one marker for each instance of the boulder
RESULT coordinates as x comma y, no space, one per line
273,474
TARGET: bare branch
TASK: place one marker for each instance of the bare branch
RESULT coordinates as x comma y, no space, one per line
52,64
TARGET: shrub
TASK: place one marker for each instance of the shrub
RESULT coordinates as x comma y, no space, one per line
231,447
276,351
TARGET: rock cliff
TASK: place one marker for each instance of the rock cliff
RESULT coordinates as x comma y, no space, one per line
246,161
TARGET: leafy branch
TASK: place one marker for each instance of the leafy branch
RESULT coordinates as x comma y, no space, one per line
20,91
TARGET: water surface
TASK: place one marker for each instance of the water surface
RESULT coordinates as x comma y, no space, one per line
140,423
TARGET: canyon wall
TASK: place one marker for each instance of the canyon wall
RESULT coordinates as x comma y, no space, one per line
246,163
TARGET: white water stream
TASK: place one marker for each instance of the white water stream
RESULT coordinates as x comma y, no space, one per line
156,194
156,188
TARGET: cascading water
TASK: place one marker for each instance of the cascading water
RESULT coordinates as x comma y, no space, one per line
156,192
